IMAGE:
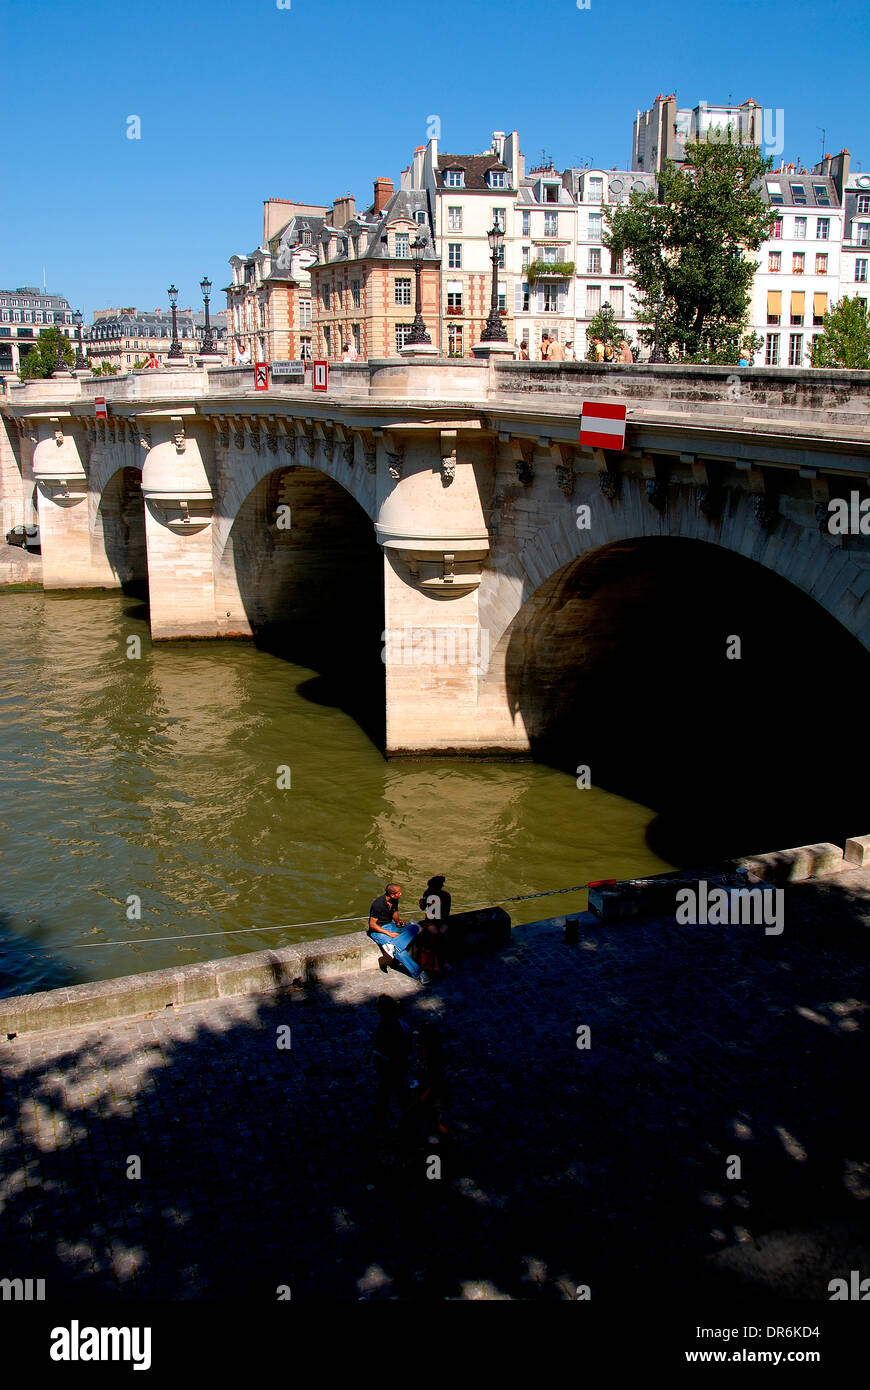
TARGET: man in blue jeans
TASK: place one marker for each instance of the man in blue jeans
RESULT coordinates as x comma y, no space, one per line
388,931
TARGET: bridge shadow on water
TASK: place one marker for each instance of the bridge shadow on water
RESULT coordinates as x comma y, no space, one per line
621,662
260,1167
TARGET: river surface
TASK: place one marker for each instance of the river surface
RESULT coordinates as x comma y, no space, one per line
149,786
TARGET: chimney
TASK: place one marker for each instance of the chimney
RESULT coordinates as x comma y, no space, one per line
343,210
383,193
498,143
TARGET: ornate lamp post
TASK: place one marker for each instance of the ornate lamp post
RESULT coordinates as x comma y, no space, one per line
495,331
656,354
207,348
418,334
80,363
175,353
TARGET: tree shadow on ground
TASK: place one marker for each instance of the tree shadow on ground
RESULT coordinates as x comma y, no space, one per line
606,1166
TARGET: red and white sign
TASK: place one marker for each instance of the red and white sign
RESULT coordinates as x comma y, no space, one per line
320,376
100,408
602,425
261,376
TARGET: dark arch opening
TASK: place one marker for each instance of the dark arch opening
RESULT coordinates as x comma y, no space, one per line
311,582
620,661
122,511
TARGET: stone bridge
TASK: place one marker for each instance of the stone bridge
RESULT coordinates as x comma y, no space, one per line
451,500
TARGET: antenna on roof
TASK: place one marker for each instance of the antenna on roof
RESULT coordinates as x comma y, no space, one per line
822,129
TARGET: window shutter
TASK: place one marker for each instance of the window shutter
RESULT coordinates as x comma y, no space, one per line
518,297
563,300
539,301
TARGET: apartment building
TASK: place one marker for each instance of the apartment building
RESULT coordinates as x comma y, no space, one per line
23,314
541,257
855,250
466,195
798,275
664,130
269,297
601,277
123,337
363,281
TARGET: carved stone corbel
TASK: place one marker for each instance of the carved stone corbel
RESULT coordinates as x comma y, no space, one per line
238,432
306,431
272,434
57,431
288,438
657,493
608,483
223,432
348,451
766,511
178,435
449,440
563,458
396,459
524,460
326,434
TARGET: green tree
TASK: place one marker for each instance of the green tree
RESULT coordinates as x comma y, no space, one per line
41,360
604,327
104,369
689,242
845,337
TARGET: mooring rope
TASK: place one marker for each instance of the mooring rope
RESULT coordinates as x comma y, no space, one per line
326,922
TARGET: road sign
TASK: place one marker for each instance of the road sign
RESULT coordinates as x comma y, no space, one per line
320,376
261,376
296,368
602,425
100,408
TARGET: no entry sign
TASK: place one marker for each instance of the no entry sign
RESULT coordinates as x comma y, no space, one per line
320,376
261,376
602,425
100,408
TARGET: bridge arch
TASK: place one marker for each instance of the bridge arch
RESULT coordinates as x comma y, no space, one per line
119,526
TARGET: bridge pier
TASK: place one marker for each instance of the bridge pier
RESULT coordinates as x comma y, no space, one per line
179,506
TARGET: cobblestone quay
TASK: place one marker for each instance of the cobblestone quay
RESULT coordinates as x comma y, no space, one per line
566,1166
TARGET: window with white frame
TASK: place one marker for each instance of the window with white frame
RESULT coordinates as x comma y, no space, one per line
495,178
454,255
527,252
823,228
797,263
521,297
777,229
355,286
861,270
551,299
800,228
594,266
403,291
305,313
502,295
795,349
774,261
527,224
454,178
596,190
454,296
326,296
771,350
420,217
403,331
499,219
863,206
454,339
454,219
551,224
593,300
822,263
594,226
617,300
357,340
862,236
403,248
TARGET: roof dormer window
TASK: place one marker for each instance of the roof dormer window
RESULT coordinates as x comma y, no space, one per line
454,178
495,178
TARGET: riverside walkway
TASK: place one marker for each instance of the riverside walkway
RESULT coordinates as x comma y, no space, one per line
603,1167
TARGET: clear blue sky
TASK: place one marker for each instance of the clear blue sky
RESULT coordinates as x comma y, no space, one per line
240,100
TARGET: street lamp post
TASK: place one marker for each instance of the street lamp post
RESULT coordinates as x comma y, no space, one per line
175,353
80,363
418,334
495,331
207,348
656,354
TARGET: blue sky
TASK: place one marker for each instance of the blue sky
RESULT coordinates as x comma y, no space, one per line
240,100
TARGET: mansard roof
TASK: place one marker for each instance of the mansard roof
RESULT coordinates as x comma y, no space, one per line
475,167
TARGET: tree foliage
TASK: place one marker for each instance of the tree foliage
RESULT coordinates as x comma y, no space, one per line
845,337
690,244
614,335
104,369
42,358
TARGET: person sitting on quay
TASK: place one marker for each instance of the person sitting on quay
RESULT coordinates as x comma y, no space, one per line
434,943
392,934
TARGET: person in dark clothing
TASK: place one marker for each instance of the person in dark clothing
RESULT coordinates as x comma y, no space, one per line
390,1053
388,931
435,945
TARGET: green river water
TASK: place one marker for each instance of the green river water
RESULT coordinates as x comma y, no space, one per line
157,778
